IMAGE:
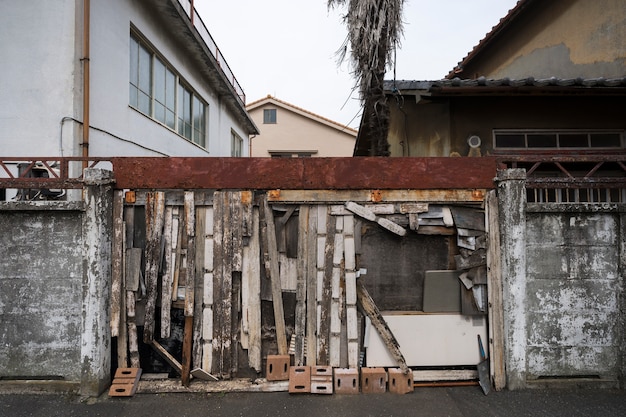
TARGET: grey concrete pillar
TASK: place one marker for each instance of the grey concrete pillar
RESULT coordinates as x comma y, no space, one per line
95,349
511,185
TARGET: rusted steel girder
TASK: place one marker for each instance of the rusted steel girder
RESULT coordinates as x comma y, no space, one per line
304,173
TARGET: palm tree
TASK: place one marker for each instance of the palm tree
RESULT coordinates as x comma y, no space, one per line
374,29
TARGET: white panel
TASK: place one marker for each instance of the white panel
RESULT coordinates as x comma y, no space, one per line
430,340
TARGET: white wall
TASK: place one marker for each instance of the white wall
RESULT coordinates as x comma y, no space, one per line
41,83
39,69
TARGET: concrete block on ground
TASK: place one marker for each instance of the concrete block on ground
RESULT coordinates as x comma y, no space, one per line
346,381
399,382
125,382
373,380
299,379
321,379
277,368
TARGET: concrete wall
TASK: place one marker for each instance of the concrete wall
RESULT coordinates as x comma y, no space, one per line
563,271
55,269
40,290
564,38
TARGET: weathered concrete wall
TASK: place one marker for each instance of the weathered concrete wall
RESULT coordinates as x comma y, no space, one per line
55,278
573,290
41,276
563,296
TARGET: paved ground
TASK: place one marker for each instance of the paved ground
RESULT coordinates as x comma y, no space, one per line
453,402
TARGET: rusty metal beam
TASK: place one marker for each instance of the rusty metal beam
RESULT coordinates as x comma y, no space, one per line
305,173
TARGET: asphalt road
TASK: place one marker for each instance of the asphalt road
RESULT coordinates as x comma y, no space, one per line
453,402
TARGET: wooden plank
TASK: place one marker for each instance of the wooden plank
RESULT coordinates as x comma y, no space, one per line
445,375
413,208
131,322
324,287
186,360
155,216
279,316
226,296
301,285
207,293
178,225
436,230
378,209
477,258
311,281
252,276
237,231
166,276
494,294
368,306
368,214
198,308
133,268
190,230
391,226
171,360
117,262
335,304
288,272
218,273
365,195
468,218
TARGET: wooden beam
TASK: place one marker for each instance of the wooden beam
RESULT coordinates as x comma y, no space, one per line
369,195
311,292
167,356
186,362
301,285
117,262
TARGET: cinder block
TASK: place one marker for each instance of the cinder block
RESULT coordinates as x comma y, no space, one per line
277,367
299,379
321,379
346,381
373,380
125,382
399,382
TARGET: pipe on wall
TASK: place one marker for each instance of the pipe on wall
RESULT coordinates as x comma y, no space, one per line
86,81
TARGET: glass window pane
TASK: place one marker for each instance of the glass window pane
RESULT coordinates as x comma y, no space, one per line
573,140
541,140
605,140
145,70
144,103
170,119
134,62
510,140
269,116
132,95
170,90
159,81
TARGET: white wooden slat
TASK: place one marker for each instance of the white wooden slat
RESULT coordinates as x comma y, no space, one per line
252,274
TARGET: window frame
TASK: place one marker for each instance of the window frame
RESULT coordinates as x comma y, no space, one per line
559,135
193,126
270,116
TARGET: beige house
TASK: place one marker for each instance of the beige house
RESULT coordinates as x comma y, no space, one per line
288,131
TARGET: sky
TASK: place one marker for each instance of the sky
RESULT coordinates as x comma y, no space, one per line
288,48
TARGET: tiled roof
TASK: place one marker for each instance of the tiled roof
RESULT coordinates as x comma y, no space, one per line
581,83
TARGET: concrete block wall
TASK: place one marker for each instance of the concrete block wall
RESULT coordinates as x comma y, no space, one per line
41,275
573,290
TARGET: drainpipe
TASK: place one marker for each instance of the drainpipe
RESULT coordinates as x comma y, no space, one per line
85,59
250,145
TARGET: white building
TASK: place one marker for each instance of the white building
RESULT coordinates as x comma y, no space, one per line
145,76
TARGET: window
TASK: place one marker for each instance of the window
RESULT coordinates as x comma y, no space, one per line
236,144
269,116
563,140
158,92
292,154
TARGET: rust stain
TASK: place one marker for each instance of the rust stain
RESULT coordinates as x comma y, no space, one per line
377,196
130,197
246,197
273,195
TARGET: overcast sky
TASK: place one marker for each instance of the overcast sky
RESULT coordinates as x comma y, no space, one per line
287,48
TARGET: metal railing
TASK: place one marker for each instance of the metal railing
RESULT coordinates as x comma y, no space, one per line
213,49
583,178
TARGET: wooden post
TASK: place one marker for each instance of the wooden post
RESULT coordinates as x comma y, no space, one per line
335,304
494,291
155,213
218,273
117,254
190,220
207,295
277,296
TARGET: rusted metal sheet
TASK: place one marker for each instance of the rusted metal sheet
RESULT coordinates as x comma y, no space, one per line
305,173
